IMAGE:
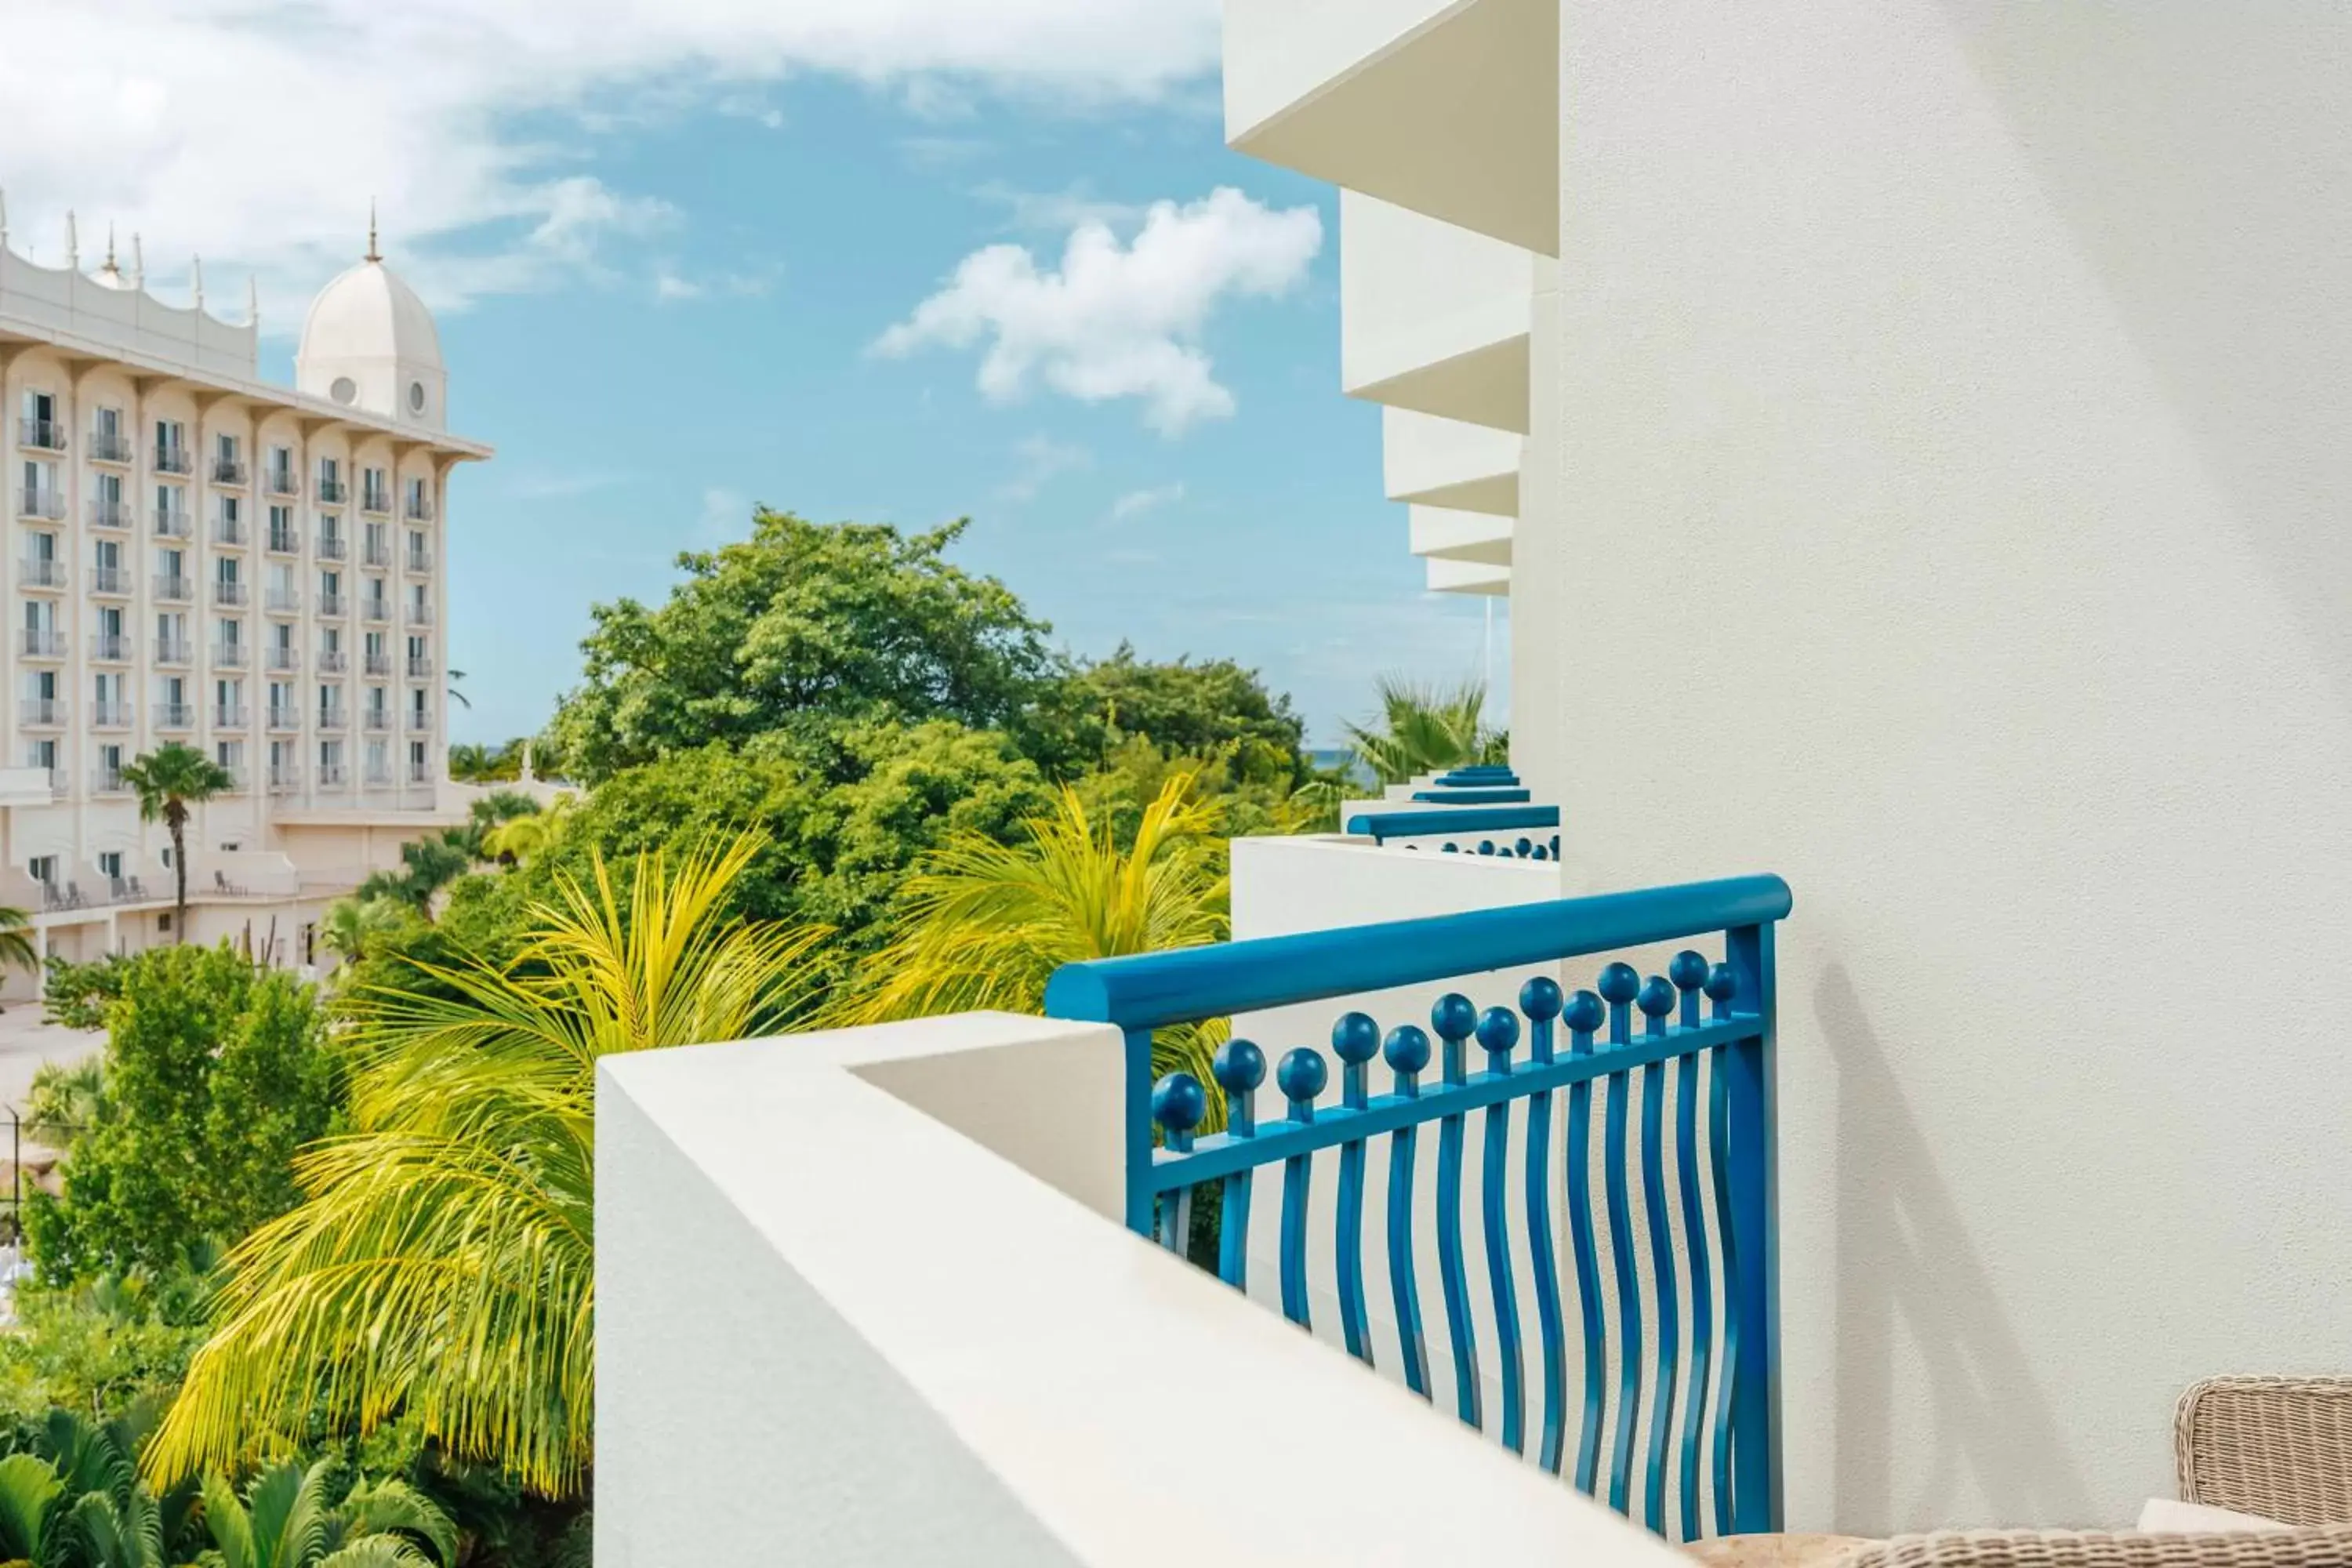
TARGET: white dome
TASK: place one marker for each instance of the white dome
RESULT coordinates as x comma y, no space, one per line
368,313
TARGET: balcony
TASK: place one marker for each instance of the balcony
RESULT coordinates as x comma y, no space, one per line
111,582
379,776
333,775
174,650
375,501
420,669
174,460
60,786
419,508
228,655
333,492
285,778
171,522
333,605
332,719
42,712
110,715
41,434
44,503
375,609
379,664
41,642
283,482
420,720
420,615
107,781
41,572
110,648
375,720
110,447
420,773
229,592
284,601
333,547
229,471
333,661
283,659
231,531
173,590
286,717
240,782
376,553
419,561
1432,318
174,715
228,716
285,541
109,515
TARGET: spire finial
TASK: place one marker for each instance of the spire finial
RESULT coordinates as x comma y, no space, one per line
253,301
372,254
137,262
109,243
73,243
196,280
4,219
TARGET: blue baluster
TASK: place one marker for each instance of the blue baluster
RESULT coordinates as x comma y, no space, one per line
1240,1067
1301,1077
1454,849
1486,846
1178,1104
1407,1051
1522,848
1583,1017
1498,1032
1355,1040
1720,987
1752,1286
1688,971
1619,985
1541,1001
1454,1019
1657,1001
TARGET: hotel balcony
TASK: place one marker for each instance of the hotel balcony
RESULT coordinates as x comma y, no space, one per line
284,601
1369,95
174,715
375,720
372,608
333,775
379,664
419,508
331,605
110,648
420,615
420,773
42,503
231,531
1446,463
420,669
333,492
333,547
283,482
375,501
110,715
171,522
41,572
285,541
285,778
111,582
420,720
39,642
110,447
108,513
229,471
233,595
174,460
282,658
285,717
333,661
240,782
377,556
333,719
175,590
379,774
419,561
107,781
1432,318
41,434
228,716
42,713
228,655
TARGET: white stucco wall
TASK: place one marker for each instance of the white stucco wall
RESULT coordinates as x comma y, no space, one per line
1952,475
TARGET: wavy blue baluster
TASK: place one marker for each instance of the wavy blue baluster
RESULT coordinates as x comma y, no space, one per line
1688,971
1355,1040
1178,1104
1584,1015
1657,1000
1454,1020
1240,1067
1720,986
1498,1032
1620,984
1301,1077
1541,1001
1408,1052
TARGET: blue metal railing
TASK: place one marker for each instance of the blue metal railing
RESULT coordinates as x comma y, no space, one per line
1710,1378
1421,822
1481,774
1474,795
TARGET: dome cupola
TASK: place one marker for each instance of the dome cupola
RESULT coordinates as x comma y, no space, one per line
369,343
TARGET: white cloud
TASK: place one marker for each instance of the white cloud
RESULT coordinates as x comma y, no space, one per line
726,517
672,287
1117,320
1041,458
255,135
1059,211
1134,503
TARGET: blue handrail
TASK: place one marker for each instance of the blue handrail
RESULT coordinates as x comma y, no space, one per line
1472,796
1488,771
1383,826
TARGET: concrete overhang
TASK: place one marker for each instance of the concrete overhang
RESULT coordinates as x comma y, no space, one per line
1448,463
1441,534
1467,577
1433,317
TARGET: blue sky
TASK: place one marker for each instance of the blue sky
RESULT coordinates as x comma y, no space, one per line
661,294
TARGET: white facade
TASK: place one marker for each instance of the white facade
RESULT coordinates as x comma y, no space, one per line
199,556
1933,490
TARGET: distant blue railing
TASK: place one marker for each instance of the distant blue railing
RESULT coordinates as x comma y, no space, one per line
1421,822
1482,772
1473,796
1711,1381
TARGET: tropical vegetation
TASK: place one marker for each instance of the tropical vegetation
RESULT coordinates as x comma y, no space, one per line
168,781
1427,730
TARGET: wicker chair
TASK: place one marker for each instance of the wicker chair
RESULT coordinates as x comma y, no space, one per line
2277,1446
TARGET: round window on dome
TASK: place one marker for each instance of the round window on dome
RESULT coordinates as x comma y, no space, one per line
416,397
344,389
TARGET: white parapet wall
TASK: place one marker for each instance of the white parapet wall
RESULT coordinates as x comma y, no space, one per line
861,1303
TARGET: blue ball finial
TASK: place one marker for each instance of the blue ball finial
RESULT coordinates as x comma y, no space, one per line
1452,849
1486,846
1408,1048
1585,1014
1178,1102
1539,998
1523,847
1356,1037
1498,1029
1688,971
1240,1066
1721,982
1657,998
1453,1017
1620,983
1302,1074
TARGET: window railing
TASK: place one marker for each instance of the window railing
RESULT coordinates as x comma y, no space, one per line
285,541
172,587
174,460
420,773
375,609
172,522
1707,1023
375,718
108,446
333,492
45,712
333,661
419,508
229,655
113,580
420,718
373,553
228,592
375,500
420,669
41,434
110,648
332,718
107,781
420,560
285,601
284,658
284,482
379,664
420,615
110,715
174,715
230,530
285,717
333,603
333,547
109,515
229,471
333,775
228,716
46,502
41,642
42,572
379,773
172,650
284,777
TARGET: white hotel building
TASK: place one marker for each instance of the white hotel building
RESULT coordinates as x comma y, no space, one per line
201,556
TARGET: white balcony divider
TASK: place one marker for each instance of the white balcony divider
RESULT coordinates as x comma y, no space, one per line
874,1282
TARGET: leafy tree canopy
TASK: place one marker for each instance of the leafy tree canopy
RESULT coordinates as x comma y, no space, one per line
1214,708
800,634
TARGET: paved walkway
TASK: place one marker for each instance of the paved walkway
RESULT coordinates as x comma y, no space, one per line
25,1042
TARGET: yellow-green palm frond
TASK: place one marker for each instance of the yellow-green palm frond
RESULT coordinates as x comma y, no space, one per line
442,1262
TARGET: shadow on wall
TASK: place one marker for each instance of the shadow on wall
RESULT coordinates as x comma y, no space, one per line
1906,1271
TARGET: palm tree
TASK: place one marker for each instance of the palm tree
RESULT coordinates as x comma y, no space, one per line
518,838
984,925
353,925
285,1521
75,1498
1427,729
169,780
17,948
441,1267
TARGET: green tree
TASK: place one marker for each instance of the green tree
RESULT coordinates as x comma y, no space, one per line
1214,708
214,1073
1424,730
354,925
74,1499
460,1212
801,633
168,780
524,835
289,1518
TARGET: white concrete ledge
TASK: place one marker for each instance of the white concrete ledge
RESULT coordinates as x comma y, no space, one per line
1450,463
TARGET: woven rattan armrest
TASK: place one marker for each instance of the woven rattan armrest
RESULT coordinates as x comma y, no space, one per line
2277,1446
2099,1549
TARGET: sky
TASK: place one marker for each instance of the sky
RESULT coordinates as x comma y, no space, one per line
892,260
